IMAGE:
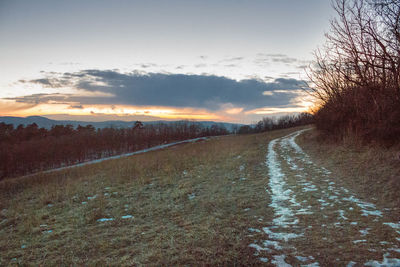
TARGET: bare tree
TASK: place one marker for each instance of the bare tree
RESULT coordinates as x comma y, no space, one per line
356,74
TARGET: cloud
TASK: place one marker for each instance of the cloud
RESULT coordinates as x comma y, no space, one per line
76,107
303,66
211,92
74,100
283,59
148,65
8,107
101,117
265,59
36,99
231,59
200,65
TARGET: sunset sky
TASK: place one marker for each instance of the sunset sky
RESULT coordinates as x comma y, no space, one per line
234,61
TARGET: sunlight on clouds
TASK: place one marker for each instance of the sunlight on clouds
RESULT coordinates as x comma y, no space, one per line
288,91
86,93
234,111
304,100
116,111
12,108
19,88
268,93
274,111
301,103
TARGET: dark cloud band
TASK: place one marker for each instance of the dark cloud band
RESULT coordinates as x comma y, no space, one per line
160,89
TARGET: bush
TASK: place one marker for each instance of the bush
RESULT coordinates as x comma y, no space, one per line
356,75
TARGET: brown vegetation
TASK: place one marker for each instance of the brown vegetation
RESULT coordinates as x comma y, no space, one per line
189,204
283,122
372,172
356,76
31,149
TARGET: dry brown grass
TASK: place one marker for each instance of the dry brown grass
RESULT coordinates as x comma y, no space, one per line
371,171
43,220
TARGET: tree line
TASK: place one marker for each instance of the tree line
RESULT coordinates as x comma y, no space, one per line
28,149
269,123
356,76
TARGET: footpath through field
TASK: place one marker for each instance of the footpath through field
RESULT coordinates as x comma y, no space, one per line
154,148
316,221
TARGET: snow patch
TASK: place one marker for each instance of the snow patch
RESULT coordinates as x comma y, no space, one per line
387,262
364,232
366,208
301,258
310,188
393,225
191,196
279,260
93,197
304,211
314,264
341,214
105,219
279,194
281,236
271,243
259,248
359,241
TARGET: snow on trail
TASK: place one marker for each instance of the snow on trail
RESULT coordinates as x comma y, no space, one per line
310,207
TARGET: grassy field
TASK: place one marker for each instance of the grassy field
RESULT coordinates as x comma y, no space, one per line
373,172
190,204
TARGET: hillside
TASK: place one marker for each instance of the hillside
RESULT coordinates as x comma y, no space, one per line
231,200
48,123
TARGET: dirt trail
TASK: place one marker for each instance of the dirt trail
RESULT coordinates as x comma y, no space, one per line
154,148
316,221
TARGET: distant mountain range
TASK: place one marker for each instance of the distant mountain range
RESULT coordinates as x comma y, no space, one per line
48,123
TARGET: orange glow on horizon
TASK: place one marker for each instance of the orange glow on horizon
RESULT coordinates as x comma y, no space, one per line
12,108
74,111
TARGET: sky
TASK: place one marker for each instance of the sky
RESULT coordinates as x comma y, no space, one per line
234,61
